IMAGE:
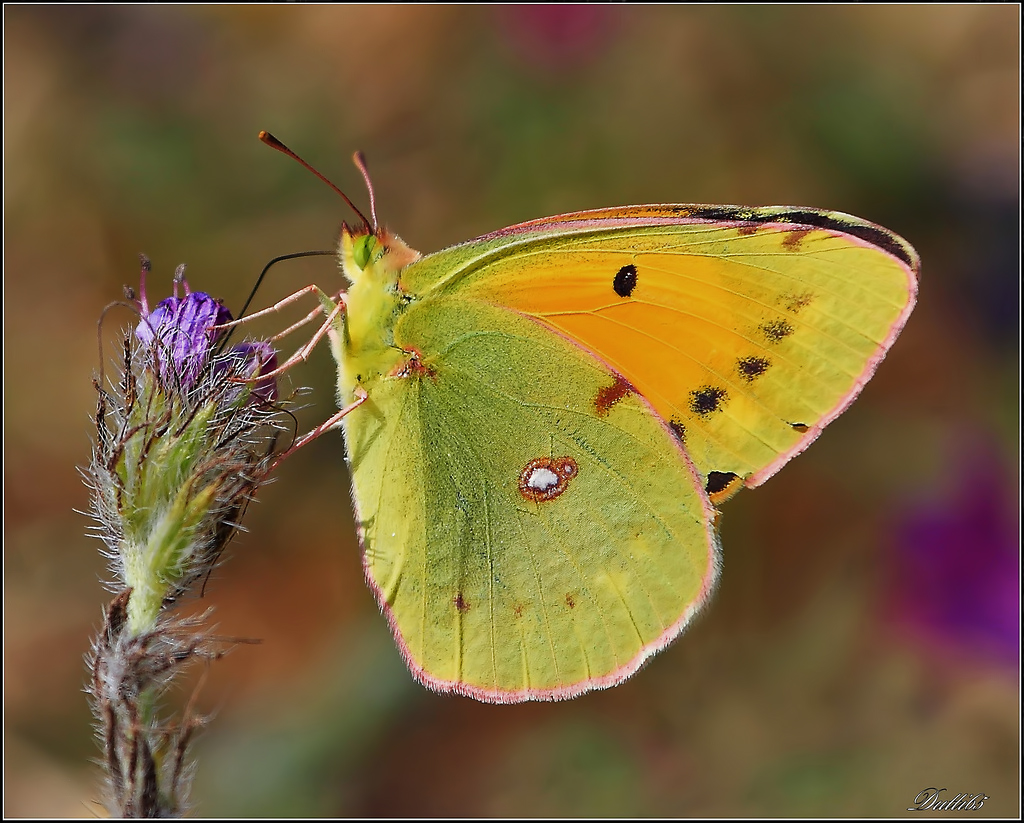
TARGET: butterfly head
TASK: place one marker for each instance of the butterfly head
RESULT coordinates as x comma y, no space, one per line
376,256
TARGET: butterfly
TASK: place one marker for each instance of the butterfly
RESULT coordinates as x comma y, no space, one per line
540,422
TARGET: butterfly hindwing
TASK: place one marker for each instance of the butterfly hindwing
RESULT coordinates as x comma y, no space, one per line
531,527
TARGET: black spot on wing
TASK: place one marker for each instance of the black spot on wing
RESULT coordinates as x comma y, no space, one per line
719,481
875,235
721,486
625,281
796,302
725,214
800,427
678,429
707,399
751,368
776,330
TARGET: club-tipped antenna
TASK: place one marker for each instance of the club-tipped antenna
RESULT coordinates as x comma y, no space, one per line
360,160
274,143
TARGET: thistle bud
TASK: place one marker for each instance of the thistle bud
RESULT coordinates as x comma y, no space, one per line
184,439
251,359
181,335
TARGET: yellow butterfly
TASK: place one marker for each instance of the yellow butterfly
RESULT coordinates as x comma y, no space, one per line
540,421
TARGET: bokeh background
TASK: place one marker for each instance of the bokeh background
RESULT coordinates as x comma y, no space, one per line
864,642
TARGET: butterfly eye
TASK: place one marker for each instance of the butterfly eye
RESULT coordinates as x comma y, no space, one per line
362,248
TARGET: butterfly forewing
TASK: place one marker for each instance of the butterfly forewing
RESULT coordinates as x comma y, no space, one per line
746,336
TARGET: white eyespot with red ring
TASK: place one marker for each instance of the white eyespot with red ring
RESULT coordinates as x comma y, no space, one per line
545,478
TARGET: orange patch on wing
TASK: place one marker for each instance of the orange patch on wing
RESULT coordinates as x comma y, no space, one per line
794,238
610,395
413,366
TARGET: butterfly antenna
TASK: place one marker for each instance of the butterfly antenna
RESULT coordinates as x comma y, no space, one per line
360,160
259,281
274,143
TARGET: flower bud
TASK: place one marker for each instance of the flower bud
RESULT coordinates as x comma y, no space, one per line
251,359
185,437
182,447
181,335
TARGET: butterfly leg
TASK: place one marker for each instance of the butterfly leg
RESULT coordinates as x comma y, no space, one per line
291,298
307,319
330,423
303,353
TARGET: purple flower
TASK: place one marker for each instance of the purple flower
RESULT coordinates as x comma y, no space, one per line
248,360
180,330
956,577
182,334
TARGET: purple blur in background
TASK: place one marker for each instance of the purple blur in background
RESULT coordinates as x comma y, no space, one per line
955,573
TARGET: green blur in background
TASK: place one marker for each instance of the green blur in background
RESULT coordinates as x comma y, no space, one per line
864,642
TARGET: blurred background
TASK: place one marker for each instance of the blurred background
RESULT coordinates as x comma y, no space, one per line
864,642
